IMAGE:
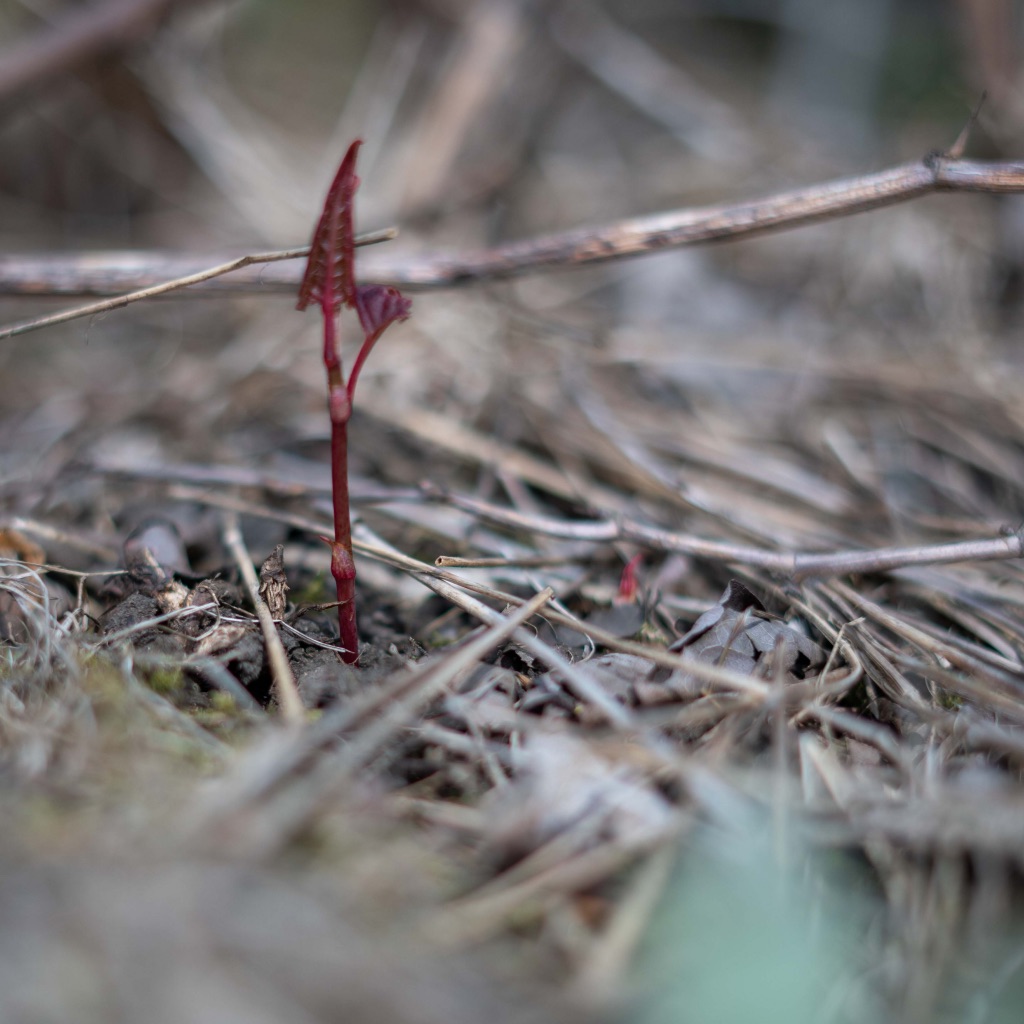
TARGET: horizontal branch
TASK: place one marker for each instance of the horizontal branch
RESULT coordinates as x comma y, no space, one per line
146,274
796,564
654,233
189,280
112,273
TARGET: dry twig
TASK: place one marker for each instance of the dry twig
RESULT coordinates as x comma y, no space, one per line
797,564
284,681
154,291
21,275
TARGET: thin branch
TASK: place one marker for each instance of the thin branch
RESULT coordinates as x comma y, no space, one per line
106,305
99,274
797,564
286,691
711,224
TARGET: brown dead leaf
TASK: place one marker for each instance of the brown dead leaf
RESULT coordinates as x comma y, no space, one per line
274,583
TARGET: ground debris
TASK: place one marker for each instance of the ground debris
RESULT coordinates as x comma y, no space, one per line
274,582
737,633
638,436
562,785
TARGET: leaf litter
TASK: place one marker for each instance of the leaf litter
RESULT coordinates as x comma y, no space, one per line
566,780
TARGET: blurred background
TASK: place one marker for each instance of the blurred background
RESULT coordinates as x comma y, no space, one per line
854,383
212,127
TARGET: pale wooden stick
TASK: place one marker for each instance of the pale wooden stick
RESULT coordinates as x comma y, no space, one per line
798,564
285,688
106,305
99,273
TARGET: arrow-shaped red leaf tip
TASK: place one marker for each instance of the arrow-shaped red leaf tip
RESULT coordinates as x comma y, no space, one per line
329,269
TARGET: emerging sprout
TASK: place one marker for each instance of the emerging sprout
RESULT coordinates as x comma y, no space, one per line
330,282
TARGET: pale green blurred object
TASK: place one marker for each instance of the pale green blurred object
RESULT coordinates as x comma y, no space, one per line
743,935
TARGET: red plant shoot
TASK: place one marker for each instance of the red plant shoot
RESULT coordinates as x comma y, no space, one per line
330,282
629,586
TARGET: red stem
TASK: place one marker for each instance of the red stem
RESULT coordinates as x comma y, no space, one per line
343,567
364,351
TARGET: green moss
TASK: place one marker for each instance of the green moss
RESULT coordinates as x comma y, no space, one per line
102,682
223,702
166,681
651,634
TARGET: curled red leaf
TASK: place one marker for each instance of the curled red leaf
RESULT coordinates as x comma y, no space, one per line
379,306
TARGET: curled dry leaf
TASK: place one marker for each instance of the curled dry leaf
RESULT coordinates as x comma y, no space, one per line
379,306
274,583
624,619
616,673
